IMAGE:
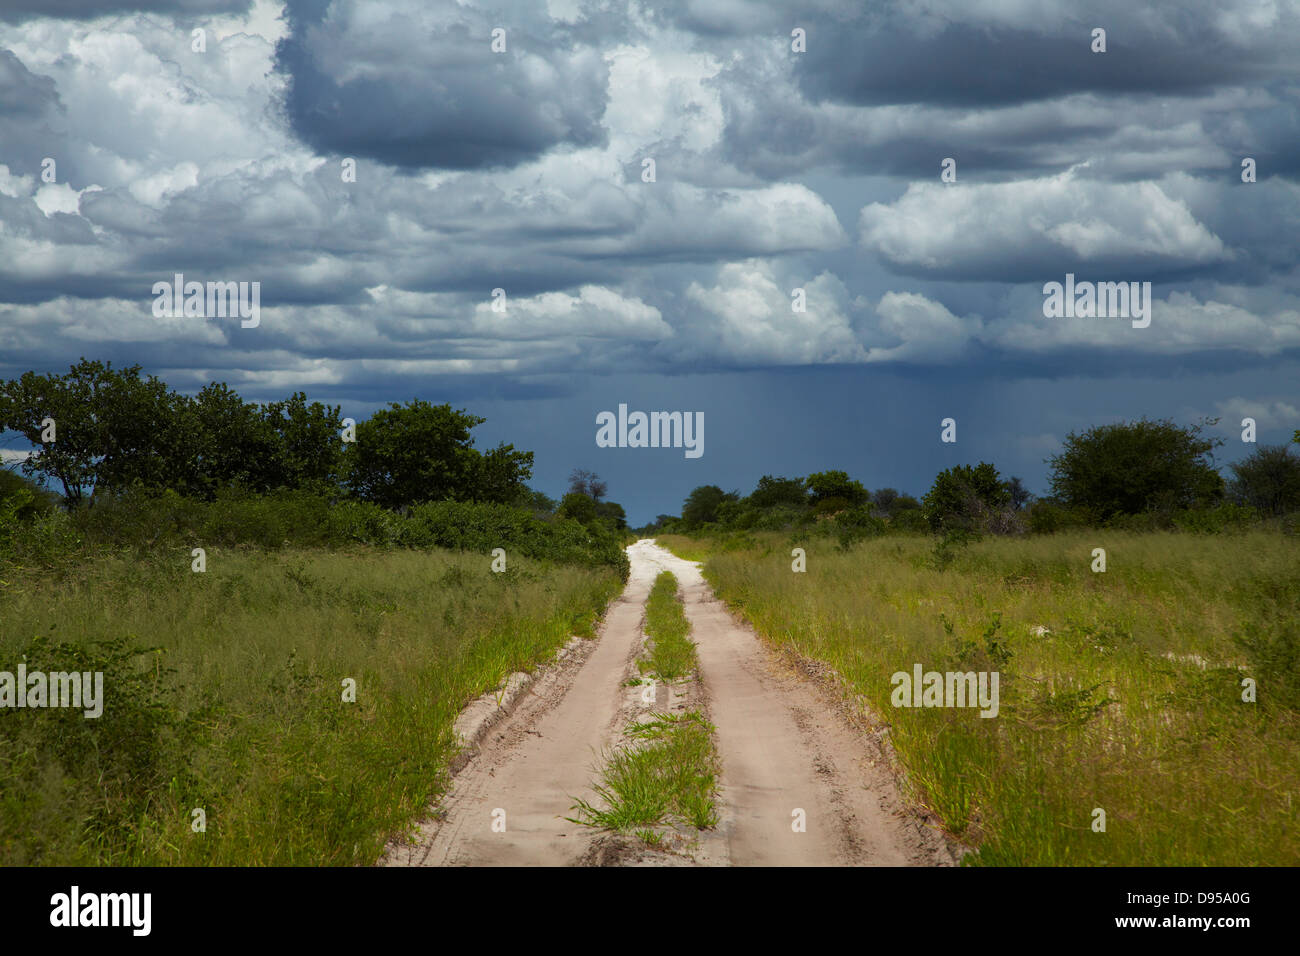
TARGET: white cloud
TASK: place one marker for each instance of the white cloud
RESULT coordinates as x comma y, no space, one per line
1269,415
750,318
925,330
965,228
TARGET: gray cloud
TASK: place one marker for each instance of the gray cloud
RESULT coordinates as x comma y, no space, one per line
422,88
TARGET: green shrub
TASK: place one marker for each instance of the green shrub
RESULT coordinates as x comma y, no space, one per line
1048,517
856,524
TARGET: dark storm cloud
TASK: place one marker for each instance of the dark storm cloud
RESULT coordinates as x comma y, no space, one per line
975,66
18,11
22,92
433,94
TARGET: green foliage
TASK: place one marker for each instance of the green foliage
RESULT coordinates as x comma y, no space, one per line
1268,480
1047,516
578,507
702,504
82,404
988,652
669,777
537,502
1132,467
909,520
142,521
824,485
25,498
856,524
778,492
117,764
1155,634
116,430
418,452
240,713
966,497
672,652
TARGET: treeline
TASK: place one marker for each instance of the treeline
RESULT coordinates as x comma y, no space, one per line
1141,475
143,465
98,430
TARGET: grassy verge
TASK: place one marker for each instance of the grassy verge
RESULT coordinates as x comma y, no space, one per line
672,652
224,691
1120,691
667,772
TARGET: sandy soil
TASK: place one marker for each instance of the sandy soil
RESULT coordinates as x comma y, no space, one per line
784,740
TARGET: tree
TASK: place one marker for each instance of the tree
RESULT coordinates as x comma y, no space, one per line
501,474
111,428
883,499
1138,466
587,483
236,443
701,505
776,492
823,485
578,506
310,454
1269,480
963,498
406,454
536,501
1019,493
612,513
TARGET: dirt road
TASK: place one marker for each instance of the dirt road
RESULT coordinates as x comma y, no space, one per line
788,757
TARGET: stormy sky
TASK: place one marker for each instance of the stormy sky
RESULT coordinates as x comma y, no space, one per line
775,169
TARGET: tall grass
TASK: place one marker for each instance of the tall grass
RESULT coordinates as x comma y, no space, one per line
1129,701
236,707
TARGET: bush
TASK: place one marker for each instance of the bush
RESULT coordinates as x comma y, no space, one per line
970,498
909,520
1133,467
1224,517
1268,480
137,519
1048,517
856,524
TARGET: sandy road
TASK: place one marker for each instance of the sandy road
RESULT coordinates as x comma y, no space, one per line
786,750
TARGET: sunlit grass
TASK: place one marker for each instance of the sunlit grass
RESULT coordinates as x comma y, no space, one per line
260,645
1129,701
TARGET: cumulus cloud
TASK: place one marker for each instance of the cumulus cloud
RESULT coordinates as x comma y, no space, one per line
749,317
417,84
1038,227
926,331
522,170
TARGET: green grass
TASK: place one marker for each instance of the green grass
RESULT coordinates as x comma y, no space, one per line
668,775
1111,708
667,771
239,708
672,652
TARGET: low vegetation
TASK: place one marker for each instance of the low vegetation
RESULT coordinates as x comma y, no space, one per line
225,693
1120,691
